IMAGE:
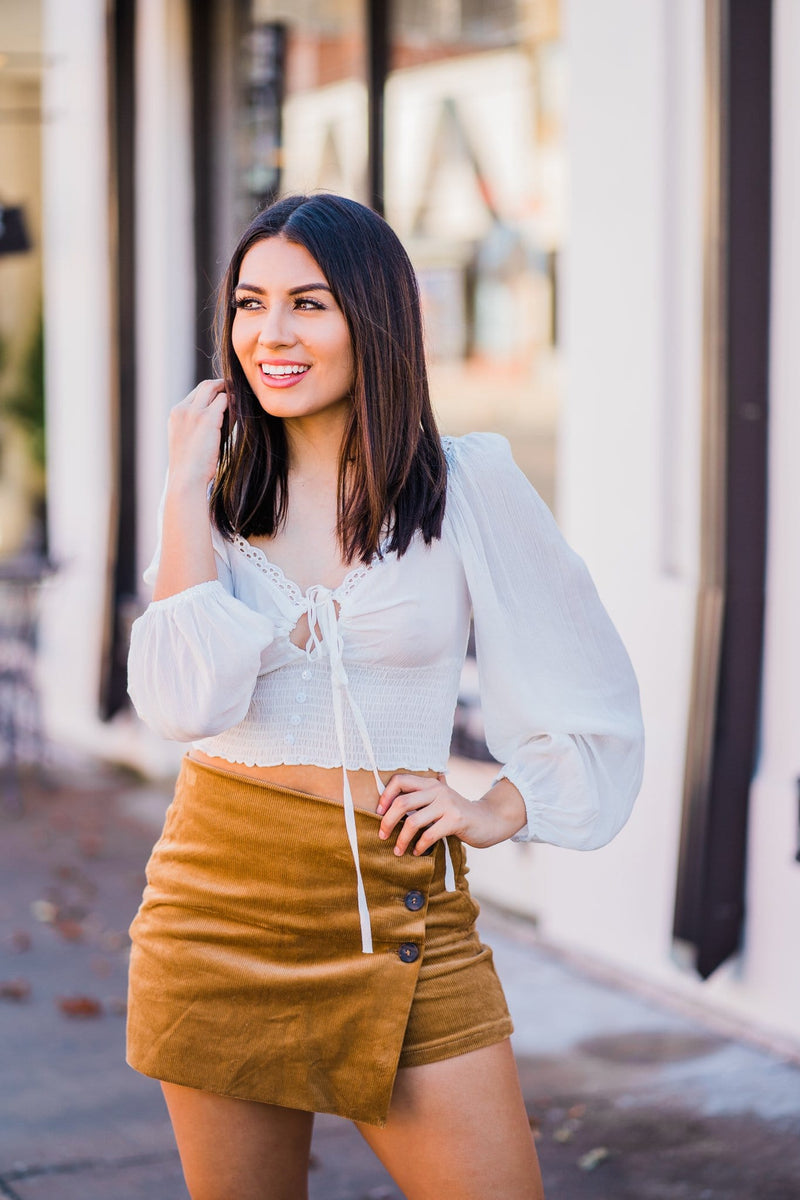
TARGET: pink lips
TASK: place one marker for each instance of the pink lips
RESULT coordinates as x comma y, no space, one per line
282,381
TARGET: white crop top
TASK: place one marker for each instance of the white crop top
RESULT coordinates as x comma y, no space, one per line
376,685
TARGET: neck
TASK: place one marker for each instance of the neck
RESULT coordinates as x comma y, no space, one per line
315,443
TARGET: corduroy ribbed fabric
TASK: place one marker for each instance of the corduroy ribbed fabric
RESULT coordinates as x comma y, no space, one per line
247,976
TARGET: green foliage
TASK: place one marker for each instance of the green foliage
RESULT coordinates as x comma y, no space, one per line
22,399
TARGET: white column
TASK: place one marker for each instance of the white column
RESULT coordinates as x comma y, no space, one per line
165,285
164,242
78,332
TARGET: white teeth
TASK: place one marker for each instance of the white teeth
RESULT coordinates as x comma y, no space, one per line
268,370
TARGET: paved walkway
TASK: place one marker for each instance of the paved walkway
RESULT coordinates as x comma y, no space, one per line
629,1100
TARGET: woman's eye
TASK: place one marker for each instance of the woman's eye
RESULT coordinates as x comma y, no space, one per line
248,303
305,304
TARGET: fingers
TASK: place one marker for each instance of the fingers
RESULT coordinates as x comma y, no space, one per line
208,391
194,433
399,784
208,400
422,807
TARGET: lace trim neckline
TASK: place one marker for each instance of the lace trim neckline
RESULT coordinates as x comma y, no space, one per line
287,586
291,589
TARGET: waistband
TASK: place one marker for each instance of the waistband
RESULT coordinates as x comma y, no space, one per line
190,765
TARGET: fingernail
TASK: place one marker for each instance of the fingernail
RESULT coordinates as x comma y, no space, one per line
379,810
382,833
397,850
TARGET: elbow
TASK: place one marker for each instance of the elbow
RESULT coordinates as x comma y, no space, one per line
612,785
186,716
603,822
188,688
205,718
184,725
579,790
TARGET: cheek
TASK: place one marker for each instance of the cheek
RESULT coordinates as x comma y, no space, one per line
345,358
239,338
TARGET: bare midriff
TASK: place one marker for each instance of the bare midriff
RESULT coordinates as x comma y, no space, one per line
319,781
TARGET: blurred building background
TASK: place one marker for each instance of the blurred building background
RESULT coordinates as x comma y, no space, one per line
598,196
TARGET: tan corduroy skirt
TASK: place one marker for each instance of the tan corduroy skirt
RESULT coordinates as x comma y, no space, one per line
247,976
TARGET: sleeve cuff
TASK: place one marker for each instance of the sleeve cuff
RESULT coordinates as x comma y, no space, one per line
524,834
188,594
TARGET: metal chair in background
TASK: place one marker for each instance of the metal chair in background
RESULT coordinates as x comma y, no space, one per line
21,732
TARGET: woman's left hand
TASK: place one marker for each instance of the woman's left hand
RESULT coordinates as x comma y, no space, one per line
430,810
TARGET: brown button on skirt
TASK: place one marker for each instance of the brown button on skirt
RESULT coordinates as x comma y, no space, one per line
247,976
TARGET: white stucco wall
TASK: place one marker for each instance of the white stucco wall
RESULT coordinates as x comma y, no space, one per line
628,447
78,319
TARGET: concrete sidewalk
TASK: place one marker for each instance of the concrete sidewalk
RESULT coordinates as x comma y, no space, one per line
629,1100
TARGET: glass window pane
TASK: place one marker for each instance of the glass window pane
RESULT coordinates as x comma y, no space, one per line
323,108
474,186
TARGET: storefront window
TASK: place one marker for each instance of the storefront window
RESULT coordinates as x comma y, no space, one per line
473,168
313,55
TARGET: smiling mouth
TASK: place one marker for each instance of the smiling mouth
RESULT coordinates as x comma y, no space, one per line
278,372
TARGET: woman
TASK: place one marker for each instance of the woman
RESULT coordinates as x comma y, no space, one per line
306,940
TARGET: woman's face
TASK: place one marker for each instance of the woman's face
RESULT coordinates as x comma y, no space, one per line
289,334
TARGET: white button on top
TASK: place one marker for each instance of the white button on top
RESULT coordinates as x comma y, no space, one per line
295,718
290,738
300,697
306,674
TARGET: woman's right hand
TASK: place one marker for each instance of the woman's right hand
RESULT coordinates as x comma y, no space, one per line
195,424
187,555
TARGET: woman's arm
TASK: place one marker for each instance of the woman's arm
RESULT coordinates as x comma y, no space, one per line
558,693
195,652
187,556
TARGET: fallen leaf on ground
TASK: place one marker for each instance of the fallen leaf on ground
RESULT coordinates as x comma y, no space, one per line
66,871
112,940
44,910
567,1129
71,931
79,1006
14,989
593,1158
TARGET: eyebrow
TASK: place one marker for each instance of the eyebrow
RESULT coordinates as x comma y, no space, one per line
295,291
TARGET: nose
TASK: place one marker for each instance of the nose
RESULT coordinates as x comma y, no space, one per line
275,328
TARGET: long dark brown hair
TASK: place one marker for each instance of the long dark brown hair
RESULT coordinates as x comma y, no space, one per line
392,470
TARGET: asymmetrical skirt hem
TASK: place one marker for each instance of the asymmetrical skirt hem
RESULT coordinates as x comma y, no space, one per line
247,977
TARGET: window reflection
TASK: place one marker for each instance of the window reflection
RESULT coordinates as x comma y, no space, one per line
324,94
473,163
